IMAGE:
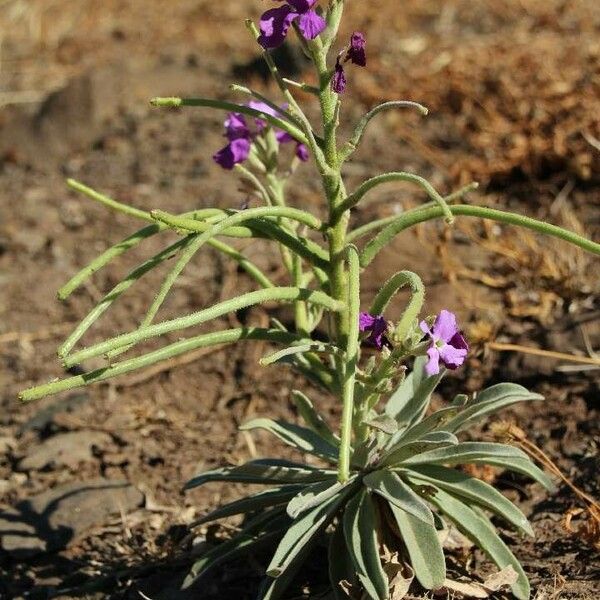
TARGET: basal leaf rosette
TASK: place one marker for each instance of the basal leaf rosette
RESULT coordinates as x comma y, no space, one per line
404,492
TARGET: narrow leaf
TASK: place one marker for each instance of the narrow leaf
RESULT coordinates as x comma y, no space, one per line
489,401
252,503
262,472
410,401
424,548
466,452
520,465
312,418
301,532
396,492
474,490
481,532
300,438
341,568
360,532
313,495
428,443
261,531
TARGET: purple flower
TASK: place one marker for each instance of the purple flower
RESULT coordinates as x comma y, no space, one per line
338,81
376,325
275,23
236,127
240,136
356,52
235,152
447,343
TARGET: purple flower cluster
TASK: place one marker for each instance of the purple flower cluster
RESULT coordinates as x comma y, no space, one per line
448,345
376,326
275,23
356,54
240,137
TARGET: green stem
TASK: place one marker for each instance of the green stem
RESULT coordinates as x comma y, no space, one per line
368,185
351,363
170,351
232,107
280,294
408,220
363,230
359,132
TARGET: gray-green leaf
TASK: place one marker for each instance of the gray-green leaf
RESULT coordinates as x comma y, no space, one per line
360,531
312,418
396,492
263,472
480,531
301,532
474,490
313,495
424,548
489,401
300,438
466,452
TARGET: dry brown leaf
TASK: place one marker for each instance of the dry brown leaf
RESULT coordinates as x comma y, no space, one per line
506,577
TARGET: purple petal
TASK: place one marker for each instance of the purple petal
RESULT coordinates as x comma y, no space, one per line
338,81
433,364
302,6
365,321
356,52
376,325
236,127
302,152
425,328
274,25
283,137
458,341
452,357
235,152
445,326
311,24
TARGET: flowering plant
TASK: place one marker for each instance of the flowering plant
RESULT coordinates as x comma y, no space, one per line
386,481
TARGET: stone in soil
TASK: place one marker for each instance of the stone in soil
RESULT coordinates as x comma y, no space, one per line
51,520
64,450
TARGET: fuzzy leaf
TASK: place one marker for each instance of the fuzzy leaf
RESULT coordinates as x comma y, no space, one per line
383,423
313,495
410,401
489,401
312,418
525,466
434,421
302,531
360,531
396,492
341,567
252,503
481,532
466,452
424,548
428,443
300,438
266,472
474,490
261,531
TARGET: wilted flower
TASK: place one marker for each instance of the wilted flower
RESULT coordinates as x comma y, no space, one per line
447,343
275,23
355,53
240,137
376,325
338,81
